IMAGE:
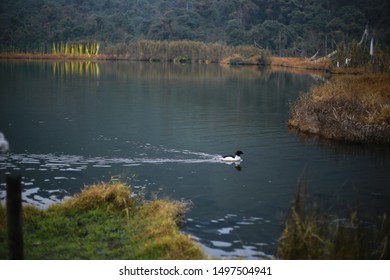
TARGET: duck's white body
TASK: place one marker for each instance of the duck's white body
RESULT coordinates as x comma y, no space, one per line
235,158
231,158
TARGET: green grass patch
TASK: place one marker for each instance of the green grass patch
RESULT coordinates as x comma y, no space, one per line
104,222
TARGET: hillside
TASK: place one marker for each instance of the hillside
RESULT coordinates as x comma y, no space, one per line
286,27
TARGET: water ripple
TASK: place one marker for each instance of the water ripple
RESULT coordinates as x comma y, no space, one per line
45,171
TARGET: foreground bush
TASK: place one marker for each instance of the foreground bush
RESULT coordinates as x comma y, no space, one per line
310,233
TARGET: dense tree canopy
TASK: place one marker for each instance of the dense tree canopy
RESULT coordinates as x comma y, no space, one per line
285,27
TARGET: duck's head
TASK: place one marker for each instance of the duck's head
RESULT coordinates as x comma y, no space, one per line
239,153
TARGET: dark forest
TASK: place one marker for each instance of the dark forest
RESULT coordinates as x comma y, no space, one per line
285,27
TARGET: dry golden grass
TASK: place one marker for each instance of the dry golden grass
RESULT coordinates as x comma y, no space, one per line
159,219
113,196
237,59
186,51
349,108
296,62
167,51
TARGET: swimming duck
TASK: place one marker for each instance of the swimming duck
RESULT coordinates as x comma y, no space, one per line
235,158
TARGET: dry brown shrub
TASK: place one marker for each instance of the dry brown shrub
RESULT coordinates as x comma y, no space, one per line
349,108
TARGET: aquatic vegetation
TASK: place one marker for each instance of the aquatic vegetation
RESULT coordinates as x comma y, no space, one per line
310,233
348,108
104,221
61,50
184,51
80,49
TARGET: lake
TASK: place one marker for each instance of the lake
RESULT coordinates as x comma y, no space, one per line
163,127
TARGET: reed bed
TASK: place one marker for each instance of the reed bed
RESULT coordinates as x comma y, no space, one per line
185,52
348,108
310,233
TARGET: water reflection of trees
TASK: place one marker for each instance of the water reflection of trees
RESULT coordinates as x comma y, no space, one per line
193,72
176,71
171,71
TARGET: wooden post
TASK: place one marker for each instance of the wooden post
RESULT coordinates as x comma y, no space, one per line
14,217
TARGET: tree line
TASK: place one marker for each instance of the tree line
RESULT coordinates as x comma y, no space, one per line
285,27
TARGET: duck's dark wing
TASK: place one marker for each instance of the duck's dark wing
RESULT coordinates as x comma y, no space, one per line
228,156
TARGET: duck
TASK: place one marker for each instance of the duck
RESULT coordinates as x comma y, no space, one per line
235,158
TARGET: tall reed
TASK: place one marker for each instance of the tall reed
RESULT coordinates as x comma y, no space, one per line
311,233
76,49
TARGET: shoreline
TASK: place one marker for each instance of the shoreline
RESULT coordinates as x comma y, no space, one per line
300,63
234,60
54,57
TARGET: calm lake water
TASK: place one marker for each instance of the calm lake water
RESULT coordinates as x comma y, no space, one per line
162,127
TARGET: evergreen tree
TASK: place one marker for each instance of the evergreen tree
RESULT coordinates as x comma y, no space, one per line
282,26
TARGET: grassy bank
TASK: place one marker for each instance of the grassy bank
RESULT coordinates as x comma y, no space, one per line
310,233
348,108
104,222
107,222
